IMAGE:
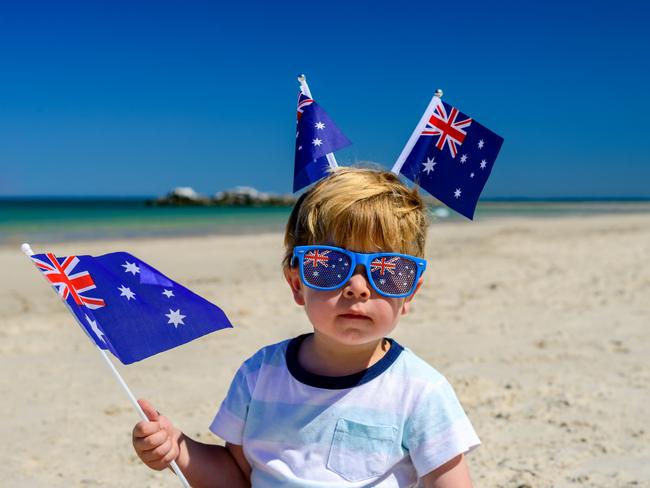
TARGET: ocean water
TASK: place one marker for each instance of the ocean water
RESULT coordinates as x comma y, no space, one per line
55,220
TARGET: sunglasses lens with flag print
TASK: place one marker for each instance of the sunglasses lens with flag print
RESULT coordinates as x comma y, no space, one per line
328,268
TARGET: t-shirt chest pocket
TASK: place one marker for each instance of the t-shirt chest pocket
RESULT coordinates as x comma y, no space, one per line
360,451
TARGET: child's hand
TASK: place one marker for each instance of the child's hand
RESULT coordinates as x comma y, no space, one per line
156,441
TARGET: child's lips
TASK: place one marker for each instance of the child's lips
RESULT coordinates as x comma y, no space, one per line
354,316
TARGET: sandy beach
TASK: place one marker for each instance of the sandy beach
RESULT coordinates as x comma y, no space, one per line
541,325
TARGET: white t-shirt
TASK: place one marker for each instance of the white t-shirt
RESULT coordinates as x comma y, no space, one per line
386,426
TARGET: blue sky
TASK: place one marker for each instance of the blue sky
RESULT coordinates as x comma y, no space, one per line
133,98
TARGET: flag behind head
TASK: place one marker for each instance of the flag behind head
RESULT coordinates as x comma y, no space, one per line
127,306
316,136
451,158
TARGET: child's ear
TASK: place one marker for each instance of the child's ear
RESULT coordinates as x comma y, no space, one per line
293,278
406,306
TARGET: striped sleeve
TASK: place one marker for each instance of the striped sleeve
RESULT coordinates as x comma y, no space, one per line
231,418
438,429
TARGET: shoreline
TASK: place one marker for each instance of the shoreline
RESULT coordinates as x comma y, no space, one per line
589,211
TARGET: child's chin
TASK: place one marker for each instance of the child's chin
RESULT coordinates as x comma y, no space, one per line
353,335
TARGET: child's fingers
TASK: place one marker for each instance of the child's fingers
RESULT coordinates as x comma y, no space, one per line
165,423
161,457
148,409
156,454
144,429
162,464
151,442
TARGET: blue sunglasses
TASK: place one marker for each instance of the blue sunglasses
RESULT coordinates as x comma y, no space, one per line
328,268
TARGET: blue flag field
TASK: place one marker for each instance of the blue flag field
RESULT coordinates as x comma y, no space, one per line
316,136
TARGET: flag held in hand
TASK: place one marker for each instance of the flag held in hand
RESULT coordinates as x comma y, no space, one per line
127,306
450,155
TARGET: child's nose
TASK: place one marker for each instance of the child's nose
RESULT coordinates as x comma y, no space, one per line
358,286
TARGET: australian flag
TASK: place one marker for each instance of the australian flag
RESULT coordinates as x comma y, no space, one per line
316,136
127,306
452,158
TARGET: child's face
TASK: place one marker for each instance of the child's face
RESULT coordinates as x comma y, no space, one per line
351,315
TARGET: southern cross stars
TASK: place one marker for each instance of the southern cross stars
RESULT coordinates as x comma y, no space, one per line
481,144
463,158
317,142
98,332
126,292
319,125
483,163
428,166
131,268
457,193
175,317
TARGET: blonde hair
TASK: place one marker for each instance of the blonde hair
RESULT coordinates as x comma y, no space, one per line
360,209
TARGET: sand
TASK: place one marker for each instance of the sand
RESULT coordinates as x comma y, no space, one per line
541,325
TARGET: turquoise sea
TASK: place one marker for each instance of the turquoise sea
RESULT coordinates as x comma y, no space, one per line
53,220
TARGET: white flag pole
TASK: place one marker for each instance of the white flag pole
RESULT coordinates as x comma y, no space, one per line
26,248
416,133
304,87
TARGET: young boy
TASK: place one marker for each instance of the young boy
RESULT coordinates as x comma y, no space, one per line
344,406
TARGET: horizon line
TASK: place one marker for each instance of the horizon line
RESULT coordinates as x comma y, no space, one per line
485,199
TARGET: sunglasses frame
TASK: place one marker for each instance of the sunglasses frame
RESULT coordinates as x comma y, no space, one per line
358,258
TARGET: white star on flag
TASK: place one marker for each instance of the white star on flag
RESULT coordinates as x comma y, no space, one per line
299,148
168,293
471,175
429,165
483,163
175,317
457,193
481,144
463,158
317,142
131,268
98,332
319,125
126,292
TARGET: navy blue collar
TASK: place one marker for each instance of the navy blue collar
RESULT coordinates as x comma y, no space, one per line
338,382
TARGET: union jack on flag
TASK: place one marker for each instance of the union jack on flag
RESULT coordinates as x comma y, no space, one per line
303,101
67,284
128,307
447,128
451,156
